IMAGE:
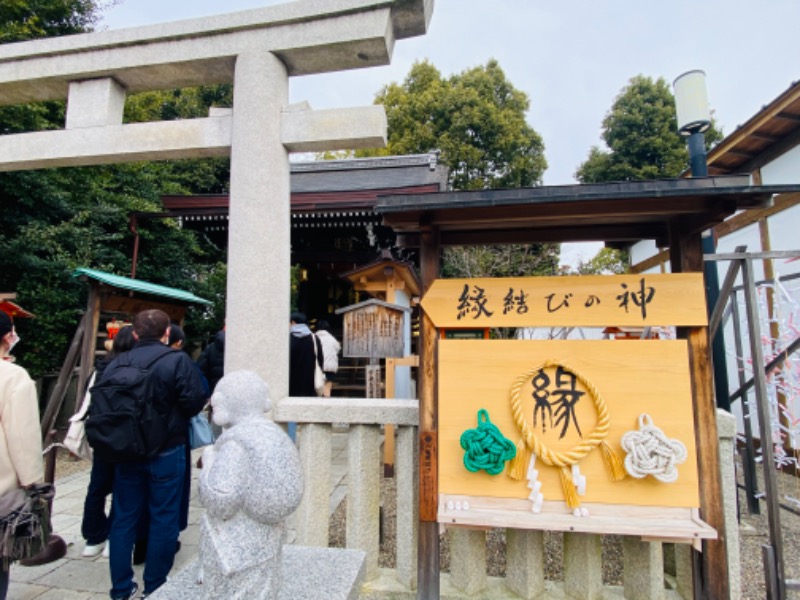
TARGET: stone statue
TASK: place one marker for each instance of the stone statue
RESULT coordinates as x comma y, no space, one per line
250,482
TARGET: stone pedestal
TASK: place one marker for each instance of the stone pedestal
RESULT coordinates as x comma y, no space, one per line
308,574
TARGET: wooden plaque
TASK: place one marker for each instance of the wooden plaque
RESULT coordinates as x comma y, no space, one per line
577,301
631,378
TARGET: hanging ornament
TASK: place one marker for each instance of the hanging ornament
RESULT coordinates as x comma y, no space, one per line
651,452
485,447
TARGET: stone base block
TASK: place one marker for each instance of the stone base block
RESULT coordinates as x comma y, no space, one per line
308,574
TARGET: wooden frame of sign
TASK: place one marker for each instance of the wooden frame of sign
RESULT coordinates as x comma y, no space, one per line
629,377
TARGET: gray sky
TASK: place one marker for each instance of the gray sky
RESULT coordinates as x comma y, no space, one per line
571,58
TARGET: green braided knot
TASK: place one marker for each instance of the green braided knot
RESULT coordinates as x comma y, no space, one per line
485,447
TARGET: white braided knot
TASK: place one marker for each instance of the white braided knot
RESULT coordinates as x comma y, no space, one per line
651,452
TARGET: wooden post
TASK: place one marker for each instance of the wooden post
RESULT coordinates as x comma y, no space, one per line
388,430
372,378
60,388
686,256
428,571
89,348
774,328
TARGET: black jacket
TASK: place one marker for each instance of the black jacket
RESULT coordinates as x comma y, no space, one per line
212,361
301,364
177,387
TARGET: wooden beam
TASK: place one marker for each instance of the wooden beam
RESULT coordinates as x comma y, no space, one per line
731,225
65,374
686,256
428,565
774,151
89,349
518,234
778,109
654,261
754,215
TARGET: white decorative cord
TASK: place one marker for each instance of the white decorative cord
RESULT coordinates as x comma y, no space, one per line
650,452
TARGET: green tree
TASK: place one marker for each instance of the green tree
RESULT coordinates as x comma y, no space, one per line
509,260
476,118
641,137
22,20
608,261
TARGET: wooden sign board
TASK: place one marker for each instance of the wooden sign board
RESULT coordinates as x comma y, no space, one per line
578,301
373,329
631,378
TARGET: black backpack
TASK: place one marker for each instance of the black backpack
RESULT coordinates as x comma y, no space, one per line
123,424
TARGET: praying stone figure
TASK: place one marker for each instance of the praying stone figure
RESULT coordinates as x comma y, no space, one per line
250,482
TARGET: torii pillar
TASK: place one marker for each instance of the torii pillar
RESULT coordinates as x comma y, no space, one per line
258,51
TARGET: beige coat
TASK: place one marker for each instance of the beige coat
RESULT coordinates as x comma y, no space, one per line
20,437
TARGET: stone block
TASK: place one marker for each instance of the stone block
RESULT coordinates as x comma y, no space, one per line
468,559
95,103
308,574
311,518
363,493
407,512
643,572
583,572
683,571
525,562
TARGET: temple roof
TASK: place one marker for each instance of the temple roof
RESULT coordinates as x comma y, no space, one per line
616,212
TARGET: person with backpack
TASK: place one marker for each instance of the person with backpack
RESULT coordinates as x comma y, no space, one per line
330,355
95,524
139,419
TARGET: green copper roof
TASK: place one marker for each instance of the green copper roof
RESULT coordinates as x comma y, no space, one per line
143,287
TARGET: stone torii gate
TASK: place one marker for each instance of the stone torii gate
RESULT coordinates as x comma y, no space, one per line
255,50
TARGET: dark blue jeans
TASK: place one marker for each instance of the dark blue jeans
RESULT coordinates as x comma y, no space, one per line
155,486
95,525
5,575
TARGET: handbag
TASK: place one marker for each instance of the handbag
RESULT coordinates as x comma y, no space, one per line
75,440
25,522
319,374
200,433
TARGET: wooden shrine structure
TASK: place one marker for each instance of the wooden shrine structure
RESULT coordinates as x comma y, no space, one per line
110,297
672,212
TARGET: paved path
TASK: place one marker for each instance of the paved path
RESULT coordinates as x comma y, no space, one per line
76,578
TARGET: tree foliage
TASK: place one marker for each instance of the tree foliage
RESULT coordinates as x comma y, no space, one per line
508,260
608,261
55,220
476,118
22,20
641,137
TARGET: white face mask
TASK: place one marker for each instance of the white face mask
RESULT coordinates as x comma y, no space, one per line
13,340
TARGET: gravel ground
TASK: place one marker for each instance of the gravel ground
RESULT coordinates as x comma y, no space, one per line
754,532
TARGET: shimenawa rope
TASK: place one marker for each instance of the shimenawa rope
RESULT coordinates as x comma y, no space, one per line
563,460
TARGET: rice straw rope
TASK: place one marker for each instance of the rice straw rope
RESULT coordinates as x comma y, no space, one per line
563,460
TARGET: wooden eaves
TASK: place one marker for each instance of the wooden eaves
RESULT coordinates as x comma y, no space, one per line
611,212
